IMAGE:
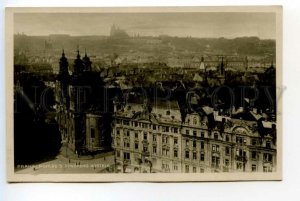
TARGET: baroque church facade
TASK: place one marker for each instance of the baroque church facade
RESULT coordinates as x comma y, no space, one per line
80,115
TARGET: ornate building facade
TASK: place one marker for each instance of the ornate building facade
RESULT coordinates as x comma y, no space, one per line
161,140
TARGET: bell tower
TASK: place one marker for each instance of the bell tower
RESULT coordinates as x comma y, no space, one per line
64,79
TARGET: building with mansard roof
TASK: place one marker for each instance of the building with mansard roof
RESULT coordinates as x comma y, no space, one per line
160,139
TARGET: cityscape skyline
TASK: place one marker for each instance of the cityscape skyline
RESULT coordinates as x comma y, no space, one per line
198,25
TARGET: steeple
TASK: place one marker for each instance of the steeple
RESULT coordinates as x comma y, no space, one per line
63,64
87,63
78,64
64,79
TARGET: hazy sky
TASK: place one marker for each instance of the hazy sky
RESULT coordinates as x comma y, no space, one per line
228,25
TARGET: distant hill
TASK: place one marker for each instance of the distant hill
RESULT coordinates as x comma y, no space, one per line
162,45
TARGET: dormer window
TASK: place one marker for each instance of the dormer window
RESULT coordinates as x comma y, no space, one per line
168,112
195,121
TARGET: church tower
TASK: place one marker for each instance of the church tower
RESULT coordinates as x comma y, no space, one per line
87,63
78,64
64,79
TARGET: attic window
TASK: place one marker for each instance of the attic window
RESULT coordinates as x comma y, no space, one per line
195,120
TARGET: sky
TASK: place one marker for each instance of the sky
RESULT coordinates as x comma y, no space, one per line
201,25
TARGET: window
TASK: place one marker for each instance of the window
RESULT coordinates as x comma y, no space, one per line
154,150
195,121
201,156
92,133
145,148
175,140
194,143
194,155
165,166
165,152
118,154
195,133
165,128
215,148
136,124
154,127
126,156
268,144
175,153
145,136
254,142
215,161
168,112
136,145
175,167
136,135
239,166
216,136
202,145
253,168
194,169
202,134
154,138
167,139
187,154
175,130
227,150
126,123
187,168
227,138
187,132
254,155
268,157
226,162
118,131
126,144
187,143
128,133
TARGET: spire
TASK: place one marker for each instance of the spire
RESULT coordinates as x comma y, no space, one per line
87,62
78,55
